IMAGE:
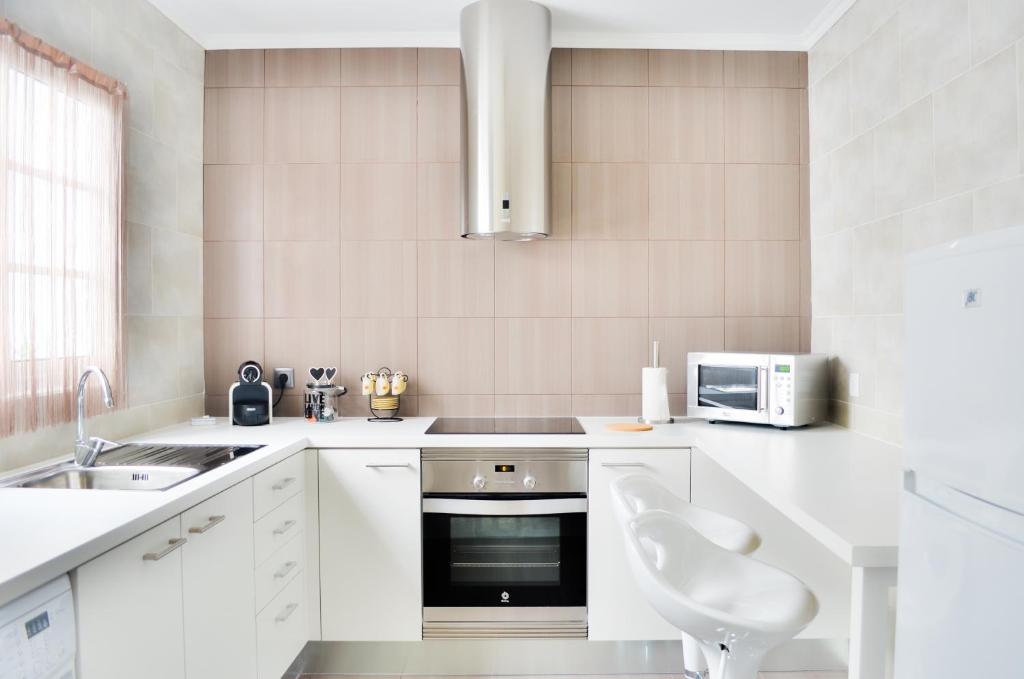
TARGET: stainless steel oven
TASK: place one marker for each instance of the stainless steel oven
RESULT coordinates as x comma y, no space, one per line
504,543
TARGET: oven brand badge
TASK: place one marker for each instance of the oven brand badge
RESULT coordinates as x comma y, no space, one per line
504,597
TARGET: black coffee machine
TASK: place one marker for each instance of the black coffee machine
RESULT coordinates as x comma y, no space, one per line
250,399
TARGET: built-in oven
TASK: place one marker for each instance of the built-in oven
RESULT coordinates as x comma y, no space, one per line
504,543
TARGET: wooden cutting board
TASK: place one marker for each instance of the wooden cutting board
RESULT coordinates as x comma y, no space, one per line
628,426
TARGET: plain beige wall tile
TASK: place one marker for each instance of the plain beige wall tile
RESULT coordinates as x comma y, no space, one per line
561,124
680,336
853,182
457,405
455,278
229,342
439,200
763,278
177,261
832,275
609,124
378,280
378,124
941,221
889,340
609,278
149,341
762,202
301,202
686,125
561,201
609,67
234,68
686,68
765,69
905,160
687,278
289,291
151,182
378,201
303,68
367,344
875,78
233,279
687,202
607,355
379,66
878,267
996,207
138,269
762,125
233,202
532,355
533,405
561,66
611,201
533,279
780,335
439,129
439,66
233,126
855,348
605,405
934,45
831,117
301,125
300,343
995,25
456,356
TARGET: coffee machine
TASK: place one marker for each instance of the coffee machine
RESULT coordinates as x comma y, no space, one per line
250,399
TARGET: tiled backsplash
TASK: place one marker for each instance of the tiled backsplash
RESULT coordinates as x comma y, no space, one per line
332,195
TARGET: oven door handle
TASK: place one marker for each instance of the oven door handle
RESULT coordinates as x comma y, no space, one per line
575,505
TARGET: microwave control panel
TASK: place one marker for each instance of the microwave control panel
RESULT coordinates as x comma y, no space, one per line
782,401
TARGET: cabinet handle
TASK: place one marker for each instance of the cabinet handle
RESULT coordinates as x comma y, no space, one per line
388,466
284,527
622,464
283,483
286,613
214,520
172,545
288,568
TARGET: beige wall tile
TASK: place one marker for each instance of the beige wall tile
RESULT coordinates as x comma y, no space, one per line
455,278
439,126
686,68
371,343
532,279
610,201
607,355
303,68
934,44
609,124
805,278
439,66
379,66
904,168
561,124
457,405
456,356
233,202
680,336
149,341
378,280
177,274
561,66
686,125
995,25
301,125
995,207
687,278
301,202
609,278
439,200
532,405
875,78
234,68
831,120
605,405
878,267
151,178
762,202
228,343
233,126
301,343
762,125
139,269
832,275
532,355
890,346
805,202
378,124
781,335
853,182
765,69
687,202
762,278
378,201
938,222
609,67
855,349
561,201
233,280
289,290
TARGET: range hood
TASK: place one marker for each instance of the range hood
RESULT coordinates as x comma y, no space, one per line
506,122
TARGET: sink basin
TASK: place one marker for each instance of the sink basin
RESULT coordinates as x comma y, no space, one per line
111,478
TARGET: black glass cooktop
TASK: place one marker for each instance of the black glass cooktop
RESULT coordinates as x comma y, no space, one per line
505,425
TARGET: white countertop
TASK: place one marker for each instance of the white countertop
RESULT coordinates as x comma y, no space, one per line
840,487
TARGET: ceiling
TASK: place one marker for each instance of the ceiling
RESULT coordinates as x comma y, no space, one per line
667,24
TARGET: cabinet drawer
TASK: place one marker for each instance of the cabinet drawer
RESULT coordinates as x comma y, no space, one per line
279,526
271,487
277,571
281,630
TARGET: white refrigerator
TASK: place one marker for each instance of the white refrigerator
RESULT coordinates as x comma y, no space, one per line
961,567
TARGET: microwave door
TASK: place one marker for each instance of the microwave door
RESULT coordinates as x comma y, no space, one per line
732,392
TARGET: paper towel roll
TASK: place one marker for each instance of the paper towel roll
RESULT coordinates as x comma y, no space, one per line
654,405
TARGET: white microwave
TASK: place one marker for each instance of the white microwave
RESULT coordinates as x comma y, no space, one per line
782,390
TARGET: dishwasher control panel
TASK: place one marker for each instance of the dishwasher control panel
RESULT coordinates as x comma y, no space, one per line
37,634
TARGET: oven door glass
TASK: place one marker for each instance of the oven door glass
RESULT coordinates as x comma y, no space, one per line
502,560
726,386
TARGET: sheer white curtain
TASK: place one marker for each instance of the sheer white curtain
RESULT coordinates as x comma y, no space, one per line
61,233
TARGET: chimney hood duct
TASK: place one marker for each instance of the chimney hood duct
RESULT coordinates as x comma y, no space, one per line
506,121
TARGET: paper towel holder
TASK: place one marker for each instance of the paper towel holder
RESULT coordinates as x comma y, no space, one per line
655,363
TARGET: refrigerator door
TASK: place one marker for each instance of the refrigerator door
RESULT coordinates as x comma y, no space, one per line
964,394
960,592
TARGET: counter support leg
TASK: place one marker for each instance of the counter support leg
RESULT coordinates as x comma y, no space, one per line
870,624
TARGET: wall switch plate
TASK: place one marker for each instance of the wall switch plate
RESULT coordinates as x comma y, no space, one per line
289,372
854,385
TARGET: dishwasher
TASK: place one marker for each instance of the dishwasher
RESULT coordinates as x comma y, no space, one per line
37,634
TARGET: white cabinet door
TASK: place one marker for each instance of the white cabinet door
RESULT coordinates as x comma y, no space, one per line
217,562
616,608
370,573
129,608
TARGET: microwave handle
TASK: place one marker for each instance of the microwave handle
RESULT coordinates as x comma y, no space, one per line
762,389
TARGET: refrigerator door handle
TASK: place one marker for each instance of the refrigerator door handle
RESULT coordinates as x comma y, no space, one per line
992,518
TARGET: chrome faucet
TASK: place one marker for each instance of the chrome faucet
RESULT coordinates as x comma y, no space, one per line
87,449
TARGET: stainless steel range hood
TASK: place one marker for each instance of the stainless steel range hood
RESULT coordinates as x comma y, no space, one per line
506,123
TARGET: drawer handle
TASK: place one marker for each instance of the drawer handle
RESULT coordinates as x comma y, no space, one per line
613,465
284,527
214,520
288,568
388,466
172,545
283,483
286,613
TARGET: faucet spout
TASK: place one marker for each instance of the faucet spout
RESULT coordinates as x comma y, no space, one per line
85,449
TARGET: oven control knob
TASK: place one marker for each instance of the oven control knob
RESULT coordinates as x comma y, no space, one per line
479,482
779,410
529,482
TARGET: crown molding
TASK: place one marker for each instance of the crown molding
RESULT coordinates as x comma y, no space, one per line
825,20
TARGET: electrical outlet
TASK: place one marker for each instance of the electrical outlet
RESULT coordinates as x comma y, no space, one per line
854,385
289,372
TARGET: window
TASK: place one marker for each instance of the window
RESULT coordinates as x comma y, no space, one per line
61,233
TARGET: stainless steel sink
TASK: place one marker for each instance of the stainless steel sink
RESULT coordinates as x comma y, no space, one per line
111,478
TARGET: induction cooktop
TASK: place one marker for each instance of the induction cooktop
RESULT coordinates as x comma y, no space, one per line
505,425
